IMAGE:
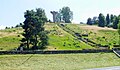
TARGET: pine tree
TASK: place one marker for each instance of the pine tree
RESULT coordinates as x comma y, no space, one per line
107,20
115,23
33,26
89,21
101,20
111,18
27,28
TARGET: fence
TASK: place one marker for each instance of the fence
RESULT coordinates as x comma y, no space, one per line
56,51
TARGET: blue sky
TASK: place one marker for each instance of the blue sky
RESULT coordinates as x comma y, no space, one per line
12,11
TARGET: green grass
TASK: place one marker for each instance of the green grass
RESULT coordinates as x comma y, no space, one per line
17,30
58,39
9,43
61,40
103,37
10,38
58,61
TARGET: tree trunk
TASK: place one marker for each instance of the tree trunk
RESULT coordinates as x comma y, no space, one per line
27,44
35,40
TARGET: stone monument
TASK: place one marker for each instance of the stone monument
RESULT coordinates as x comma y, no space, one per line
54,13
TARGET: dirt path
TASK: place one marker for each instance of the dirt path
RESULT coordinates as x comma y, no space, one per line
88,27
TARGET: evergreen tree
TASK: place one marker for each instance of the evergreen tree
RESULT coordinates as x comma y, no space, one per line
111,18
101,20
27,28
33,28
89,21
39,20
115,23
107,20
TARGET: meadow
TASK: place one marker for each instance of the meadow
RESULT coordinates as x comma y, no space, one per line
58,61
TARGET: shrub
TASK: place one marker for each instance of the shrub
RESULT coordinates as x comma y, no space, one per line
18,36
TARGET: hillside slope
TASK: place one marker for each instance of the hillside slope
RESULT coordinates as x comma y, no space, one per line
58,39
103,36
61,40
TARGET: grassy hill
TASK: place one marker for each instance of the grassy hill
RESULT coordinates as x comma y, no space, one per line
62,40
10,38
58,39
99,35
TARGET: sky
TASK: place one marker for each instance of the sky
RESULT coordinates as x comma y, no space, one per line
12,11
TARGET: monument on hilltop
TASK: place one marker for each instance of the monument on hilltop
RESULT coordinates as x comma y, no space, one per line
54,13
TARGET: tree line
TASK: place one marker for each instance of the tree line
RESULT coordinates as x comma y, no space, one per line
109,20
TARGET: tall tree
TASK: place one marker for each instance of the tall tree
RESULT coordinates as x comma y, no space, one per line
115,23
39,20
101,20
27,27
67,14
95,20
111,18
34,27
107,20
89,21
58,17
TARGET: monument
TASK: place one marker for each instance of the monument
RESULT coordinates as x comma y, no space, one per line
54,13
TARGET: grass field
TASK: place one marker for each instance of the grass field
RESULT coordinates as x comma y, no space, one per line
58,61
10,38
59,39
103,36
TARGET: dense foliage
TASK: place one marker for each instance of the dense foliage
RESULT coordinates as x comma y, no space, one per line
34,33
101,20
67,14
89,21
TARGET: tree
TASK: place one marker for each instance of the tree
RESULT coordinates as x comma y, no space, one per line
27,26
89,21
33,28
39,20
107,20
19,25
95,20
58,17
67,14
101,20
115,22
119,32
111,18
